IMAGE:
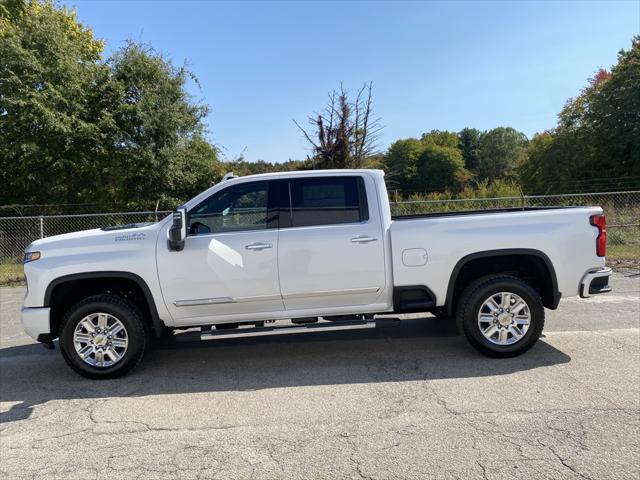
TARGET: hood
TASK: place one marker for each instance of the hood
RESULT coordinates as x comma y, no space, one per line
108,237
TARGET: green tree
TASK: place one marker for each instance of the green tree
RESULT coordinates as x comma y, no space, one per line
401,163
51,83
441,138
440,168
156,124
469,145
501,150
77,129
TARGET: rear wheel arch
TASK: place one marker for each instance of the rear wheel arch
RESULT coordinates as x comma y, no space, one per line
63,292
531,265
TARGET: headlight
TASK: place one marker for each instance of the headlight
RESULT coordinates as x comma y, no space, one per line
30,257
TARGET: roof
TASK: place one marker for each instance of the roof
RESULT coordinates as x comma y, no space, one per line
296,173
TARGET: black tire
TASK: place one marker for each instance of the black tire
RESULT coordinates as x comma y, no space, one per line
471,301
128,314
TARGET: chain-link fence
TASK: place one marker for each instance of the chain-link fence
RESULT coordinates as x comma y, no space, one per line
18,232
622,209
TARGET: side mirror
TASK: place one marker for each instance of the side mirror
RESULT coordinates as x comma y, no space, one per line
178,231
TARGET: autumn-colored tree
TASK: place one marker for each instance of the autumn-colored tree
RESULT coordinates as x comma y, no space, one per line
596,144
346,132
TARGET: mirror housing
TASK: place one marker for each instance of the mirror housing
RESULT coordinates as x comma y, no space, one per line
178,231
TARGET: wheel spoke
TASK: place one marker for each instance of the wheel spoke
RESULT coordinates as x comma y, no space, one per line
490,331
113,355
485,318
493,306
518,306
517,334
99,357
522,320
119,342
503,334
115,328
88,325
102,320
82,337
86,351
505,299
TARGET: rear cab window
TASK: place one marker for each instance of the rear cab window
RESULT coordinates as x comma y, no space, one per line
326,201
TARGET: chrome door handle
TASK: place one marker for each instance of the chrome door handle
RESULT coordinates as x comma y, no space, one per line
257,246
363,239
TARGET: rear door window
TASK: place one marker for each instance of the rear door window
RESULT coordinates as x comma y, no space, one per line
327,201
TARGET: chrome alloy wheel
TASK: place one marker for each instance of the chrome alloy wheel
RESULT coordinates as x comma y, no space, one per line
504,318
100,339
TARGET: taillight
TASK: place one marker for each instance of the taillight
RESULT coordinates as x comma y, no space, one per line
600,221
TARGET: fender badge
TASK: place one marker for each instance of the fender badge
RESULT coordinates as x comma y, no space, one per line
130,236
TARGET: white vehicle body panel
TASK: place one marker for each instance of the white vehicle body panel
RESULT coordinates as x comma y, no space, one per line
308,271
563,235
216,275
127,250
335,265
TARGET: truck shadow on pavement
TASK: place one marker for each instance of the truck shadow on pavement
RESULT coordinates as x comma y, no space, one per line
421,349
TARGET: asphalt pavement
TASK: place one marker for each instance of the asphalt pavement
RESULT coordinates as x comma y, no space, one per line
412,401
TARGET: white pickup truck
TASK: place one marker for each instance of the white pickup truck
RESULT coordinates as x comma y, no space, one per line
302,252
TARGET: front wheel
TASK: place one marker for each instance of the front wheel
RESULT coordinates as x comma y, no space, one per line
103,336
501,316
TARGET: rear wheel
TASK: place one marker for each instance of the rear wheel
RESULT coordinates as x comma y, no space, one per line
103,336
500,315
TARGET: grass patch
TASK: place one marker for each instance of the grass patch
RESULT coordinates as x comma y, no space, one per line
11,274
624,255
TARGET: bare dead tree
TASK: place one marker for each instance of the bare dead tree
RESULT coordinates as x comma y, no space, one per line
346,132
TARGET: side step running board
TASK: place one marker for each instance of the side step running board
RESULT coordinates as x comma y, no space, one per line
264,331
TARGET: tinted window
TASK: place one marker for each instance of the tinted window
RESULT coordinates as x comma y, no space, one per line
327,201
240,207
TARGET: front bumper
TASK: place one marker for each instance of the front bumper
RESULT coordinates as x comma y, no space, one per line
35,322
595,282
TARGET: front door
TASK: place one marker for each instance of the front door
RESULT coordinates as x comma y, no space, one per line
229,262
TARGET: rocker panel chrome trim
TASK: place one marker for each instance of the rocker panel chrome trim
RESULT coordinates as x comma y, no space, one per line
223,300
322,293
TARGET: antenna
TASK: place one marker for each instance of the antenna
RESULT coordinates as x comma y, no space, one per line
228,176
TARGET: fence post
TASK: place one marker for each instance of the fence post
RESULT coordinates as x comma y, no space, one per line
41,227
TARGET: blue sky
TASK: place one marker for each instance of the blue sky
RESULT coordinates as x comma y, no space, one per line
434,65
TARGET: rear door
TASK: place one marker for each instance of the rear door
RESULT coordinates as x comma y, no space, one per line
331,250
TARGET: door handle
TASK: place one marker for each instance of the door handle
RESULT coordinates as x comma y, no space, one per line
257,246
363,239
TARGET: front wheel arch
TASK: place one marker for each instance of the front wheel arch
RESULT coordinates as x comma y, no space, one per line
64,292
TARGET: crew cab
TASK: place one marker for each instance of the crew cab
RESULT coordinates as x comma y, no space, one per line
302,252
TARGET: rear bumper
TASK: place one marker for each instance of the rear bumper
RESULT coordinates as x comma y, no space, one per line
35,321
595,282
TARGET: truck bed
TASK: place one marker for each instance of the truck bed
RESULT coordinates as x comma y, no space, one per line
475,212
